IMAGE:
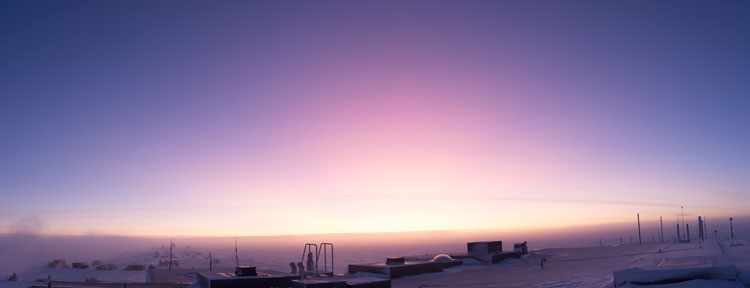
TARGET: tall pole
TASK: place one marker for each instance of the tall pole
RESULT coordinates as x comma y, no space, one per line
661,223
700,228
639,229
236,254
683,215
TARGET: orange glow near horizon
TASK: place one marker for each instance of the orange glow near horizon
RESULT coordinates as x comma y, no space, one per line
373,215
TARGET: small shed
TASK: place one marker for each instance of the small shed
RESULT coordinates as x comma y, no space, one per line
521,247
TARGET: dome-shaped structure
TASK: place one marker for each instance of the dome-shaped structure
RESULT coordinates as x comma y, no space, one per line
442,258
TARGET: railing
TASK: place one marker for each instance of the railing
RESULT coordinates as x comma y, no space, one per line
322,249
308,248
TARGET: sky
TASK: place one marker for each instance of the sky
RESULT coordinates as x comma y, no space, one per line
219,118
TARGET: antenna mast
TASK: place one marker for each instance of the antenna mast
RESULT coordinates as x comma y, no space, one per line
236,255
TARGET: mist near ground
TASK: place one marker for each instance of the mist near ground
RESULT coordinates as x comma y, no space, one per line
23,251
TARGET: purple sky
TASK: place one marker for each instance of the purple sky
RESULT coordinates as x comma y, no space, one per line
158,117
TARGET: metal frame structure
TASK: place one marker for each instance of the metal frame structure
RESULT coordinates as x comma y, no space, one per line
323,248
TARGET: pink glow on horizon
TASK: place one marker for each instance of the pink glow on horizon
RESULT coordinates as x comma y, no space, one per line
369,116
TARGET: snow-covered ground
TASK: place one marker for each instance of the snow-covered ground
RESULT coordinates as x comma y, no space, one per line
565,267
583,267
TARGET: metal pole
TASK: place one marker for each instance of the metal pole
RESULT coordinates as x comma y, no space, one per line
700,233
236,253
661,223
683,216
639,228
700,228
